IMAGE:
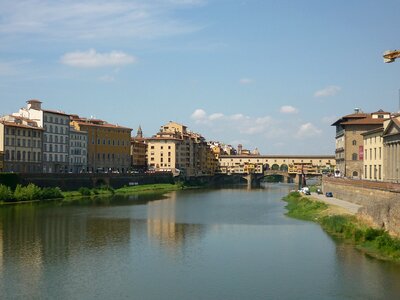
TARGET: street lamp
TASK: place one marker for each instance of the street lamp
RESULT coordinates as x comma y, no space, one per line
390,55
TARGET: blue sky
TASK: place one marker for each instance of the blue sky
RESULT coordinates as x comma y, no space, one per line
267,74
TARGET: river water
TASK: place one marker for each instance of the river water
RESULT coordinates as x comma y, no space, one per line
229,243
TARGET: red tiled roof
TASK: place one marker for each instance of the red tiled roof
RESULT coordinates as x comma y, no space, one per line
102,125
12,124
366,121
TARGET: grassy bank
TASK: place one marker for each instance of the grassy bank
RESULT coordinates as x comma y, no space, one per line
375,242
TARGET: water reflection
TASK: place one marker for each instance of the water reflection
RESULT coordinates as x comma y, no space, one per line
163,228
214,244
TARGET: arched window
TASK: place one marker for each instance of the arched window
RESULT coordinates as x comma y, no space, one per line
355,174
354,156
354,142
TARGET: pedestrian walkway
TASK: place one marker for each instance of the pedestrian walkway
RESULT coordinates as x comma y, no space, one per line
350,207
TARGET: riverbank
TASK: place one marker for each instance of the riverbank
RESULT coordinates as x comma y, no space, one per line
85,193
339,223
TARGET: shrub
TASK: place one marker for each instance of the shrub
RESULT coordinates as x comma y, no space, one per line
5,193
51,193
85,191
30,192
372,233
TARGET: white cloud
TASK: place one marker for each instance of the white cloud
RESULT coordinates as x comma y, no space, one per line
199,115
308,130
238,117
96,19
216,116
245,81
92,59
288,109
328,91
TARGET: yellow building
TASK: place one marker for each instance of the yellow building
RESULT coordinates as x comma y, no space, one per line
373,154
21,142
108,144
176,149
349,140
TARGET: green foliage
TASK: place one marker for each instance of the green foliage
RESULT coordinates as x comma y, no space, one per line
302,207
84,191
51,193
5,193
28,193
25,193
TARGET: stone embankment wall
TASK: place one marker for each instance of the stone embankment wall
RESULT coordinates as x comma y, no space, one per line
380,200
74,181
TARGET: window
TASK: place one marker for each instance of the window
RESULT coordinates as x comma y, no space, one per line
355,174
354,156
354,142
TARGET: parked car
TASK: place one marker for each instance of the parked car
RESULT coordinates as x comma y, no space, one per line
328,194
319,191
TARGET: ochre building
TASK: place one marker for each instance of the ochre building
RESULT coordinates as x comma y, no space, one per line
350,143
108,147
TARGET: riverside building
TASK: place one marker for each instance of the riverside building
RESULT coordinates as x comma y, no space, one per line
21,142
349,150
108,145
176,149
56,135
78,151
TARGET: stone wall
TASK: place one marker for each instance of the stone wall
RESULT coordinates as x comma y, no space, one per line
380,200
74,181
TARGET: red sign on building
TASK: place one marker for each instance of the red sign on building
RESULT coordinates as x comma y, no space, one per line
361,152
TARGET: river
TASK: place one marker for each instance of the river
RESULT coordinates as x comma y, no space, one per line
229,243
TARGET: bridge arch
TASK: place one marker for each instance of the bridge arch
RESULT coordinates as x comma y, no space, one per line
266,167
284,167
275,167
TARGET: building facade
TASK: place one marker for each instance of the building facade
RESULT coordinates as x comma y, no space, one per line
56,135
176,149
349,150
373,155
77,151
391,149
21,142
108,147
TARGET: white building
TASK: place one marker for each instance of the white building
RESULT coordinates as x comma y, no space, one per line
56,135
77,151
